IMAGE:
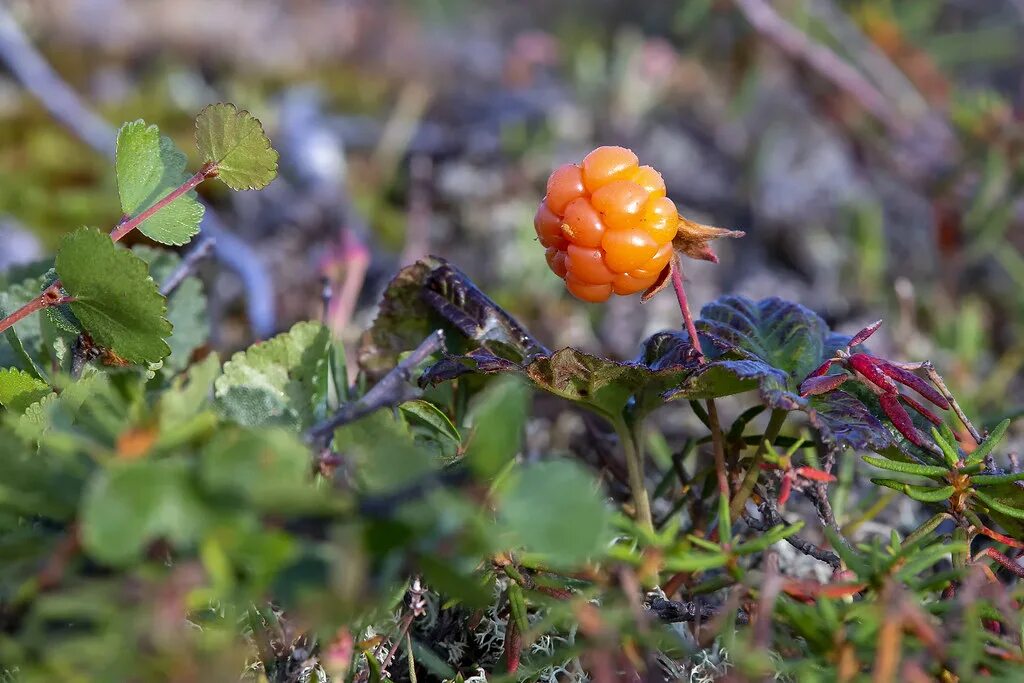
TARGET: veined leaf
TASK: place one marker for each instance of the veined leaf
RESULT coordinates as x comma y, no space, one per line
279,381
186,307
19,389
234,140
148,168
115,298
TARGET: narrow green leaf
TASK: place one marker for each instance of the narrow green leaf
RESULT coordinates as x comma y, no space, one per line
695,562
854,560
986,446
906,467
115,298
996,506
993,479
19,389
426,413
148,168
919,534
773,536
947,443
925,494
234,140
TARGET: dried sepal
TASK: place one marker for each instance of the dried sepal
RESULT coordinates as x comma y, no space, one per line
693,239
661,283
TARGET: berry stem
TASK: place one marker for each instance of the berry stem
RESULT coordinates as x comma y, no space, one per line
716,429
684,307
209,170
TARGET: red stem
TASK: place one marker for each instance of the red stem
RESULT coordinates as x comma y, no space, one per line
51,296
208,170
684,307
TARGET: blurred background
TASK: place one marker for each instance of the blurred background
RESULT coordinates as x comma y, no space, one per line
870,149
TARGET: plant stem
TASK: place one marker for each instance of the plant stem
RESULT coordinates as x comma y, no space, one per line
750,479
635,467
209,170
51,296
684,307
713,423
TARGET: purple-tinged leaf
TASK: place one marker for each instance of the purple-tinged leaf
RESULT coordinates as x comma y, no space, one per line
918,384
844,422
900,419
820,370
813,386
921,410
863,335
782,334
868,366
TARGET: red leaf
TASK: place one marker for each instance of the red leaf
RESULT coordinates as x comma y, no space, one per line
900,419
816,475
863,335
868,366
813,386
925,413
909,379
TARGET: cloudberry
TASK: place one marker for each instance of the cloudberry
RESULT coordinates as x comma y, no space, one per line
607,224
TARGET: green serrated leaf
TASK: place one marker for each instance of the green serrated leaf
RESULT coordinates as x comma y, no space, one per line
148,168
554,510
906,467
19,389
186,307
234,140
279,381
115,298
130,505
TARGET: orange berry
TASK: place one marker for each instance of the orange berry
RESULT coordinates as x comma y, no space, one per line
564,185
649,179
582,224
556,261
656,264
587,265
626,250
606,164
549,228
587,292
625,284
660,219
620,203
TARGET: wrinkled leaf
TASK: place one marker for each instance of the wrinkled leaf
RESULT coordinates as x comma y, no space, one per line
280,381
235,141
428,295
115,298
19,389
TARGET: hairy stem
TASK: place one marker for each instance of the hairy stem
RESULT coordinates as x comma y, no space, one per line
635,468
209,170
750,479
